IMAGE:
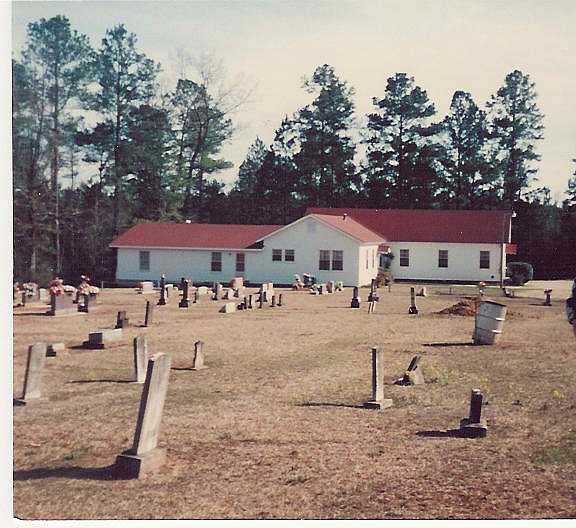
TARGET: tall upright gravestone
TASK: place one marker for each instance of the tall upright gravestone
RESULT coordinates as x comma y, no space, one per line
145,457
185,301
198,361
33,377
140,358
148,317
162,300
378,401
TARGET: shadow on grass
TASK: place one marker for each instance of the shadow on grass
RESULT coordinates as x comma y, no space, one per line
70,472
449,433
102,381
466,343
331,404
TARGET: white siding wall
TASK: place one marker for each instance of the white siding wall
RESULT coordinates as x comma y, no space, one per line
178,263
463,261
307,238
367,265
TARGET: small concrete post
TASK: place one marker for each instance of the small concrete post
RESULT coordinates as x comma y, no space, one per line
378,401
33,377
140,358
355,298
149,316
162,300
261,300
474,426
145,456
198,361
412,310
279,299
250,302
185,301
548,301
273,301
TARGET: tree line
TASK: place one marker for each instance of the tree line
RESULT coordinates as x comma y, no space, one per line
155,154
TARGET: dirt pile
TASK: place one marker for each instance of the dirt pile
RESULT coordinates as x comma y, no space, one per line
465,307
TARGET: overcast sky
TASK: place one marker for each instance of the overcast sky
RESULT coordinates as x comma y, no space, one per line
447,45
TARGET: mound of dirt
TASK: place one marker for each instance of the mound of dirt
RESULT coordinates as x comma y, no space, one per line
465,307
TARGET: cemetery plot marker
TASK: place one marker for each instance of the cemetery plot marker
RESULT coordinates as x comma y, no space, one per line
198,361
149,315
185,301
355,298
140,358
145,456
53,349
62,305
378,401
412,310
228,308
279,299
413,374
33,377
373,295
474,426
548,301
162,300
122,320
103,338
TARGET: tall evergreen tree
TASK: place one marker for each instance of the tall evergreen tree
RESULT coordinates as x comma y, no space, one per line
326,157
64,55
398,130
249,168
516,127
126,79
467,171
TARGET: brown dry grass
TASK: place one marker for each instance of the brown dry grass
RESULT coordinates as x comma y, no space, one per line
274,428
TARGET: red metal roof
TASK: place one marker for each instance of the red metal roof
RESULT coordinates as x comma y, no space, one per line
208,236
430,225
351,227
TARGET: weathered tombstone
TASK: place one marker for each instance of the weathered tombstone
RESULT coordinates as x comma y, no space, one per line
322,288
228,308
44,295
140,358
53,349
548,301
250,306
149,315
261,300
218,290
145,456
229,294
146,287
423,292
373,295
185,301
339,286
122,320
273,301
237,282
331,287
413,374
83,300
33,377
378,401
198,361
371,307
202,290
279,299
62,304
162,300
474,426
355,298
103,338
412,310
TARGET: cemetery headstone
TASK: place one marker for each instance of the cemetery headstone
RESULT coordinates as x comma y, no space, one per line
279,299
371,307
162,300
149,315
412,310
202,290
423,292
146,287
62,304
198,361
378,401
250,302
140,358
355,298
122,320
373,295
413,374
339,286
103,338
145,456
44,295
548,301
273,301
33,377
218,290
185,301
474,426
53,349
228,308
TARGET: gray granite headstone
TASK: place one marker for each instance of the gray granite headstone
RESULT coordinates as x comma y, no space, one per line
33,377
103,338
378,401
54,348
148,317
474,426
140,358
355,298
145,457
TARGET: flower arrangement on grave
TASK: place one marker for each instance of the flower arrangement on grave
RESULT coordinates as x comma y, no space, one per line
57,286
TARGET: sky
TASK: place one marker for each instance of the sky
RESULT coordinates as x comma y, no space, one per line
447,45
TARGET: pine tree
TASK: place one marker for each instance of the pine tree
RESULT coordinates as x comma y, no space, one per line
127,79
397,131
516,127
325,161
467,171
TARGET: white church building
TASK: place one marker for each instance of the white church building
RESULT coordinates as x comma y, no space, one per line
346,245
